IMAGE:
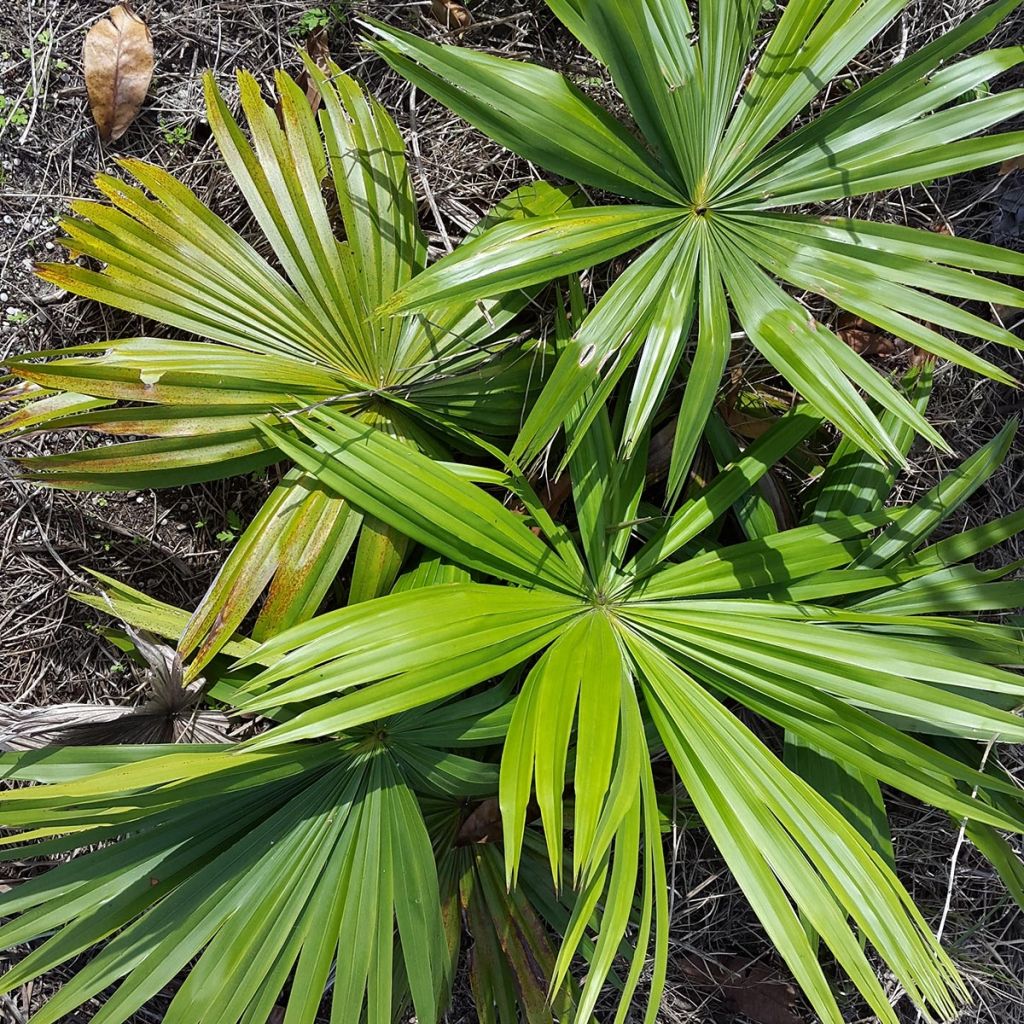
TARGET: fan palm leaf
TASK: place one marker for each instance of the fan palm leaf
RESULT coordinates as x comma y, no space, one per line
273,339
711,182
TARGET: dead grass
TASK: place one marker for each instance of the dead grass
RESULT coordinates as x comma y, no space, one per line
166,543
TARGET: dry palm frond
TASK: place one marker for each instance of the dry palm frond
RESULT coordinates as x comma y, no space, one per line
172,712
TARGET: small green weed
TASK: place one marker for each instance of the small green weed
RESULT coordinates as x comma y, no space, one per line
319,17
175,135
12,113
234,527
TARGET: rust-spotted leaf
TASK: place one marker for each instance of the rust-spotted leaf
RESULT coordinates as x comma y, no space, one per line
118,57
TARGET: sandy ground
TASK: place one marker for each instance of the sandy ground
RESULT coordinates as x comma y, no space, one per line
171,542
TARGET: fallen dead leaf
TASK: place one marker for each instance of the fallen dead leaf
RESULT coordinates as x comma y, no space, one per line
864,338
1008,224
1015,163
482,826
1007,316
747,426
553,495
753,990
118,57
659,453
452,15
317,48
774,492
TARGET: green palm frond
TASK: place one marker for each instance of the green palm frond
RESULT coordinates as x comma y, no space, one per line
712,183
417,833
335,203
301,864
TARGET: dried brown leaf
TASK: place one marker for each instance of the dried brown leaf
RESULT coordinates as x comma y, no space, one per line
452,15
1008,316
317,47
763,997
118,57
864,338
482,826
753,990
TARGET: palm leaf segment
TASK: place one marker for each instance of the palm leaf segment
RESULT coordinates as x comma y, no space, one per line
811,628
274,340
708,184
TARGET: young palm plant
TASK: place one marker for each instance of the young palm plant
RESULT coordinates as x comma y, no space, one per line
711,183
272,341
835,631
345,849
